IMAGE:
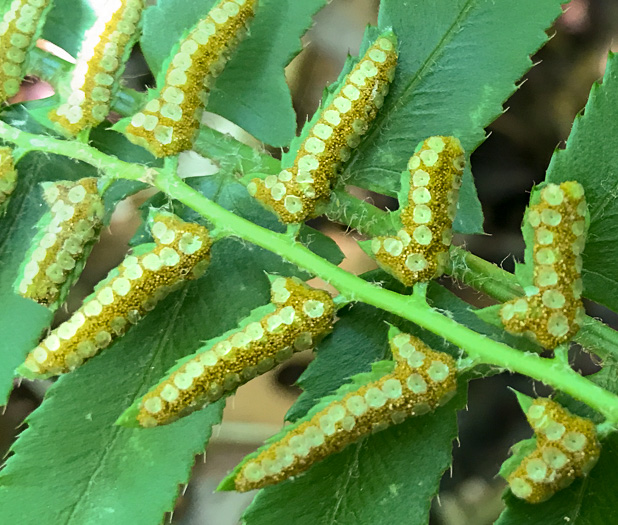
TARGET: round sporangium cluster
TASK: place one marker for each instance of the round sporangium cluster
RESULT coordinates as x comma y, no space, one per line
182,252
422,380
18,33
552,311
169,122
295,192
300,316
567,448
420,249
8,177
64,239
99,65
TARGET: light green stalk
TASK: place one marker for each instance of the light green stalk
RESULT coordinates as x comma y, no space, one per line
414,308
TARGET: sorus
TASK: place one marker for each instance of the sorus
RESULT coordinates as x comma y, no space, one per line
419,380
19,30
8,177
566,448
99,65
181,252
64,239
169,122
296,320
420,249
552,311
294,194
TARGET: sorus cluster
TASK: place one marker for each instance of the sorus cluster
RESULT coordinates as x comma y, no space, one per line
552,311
298,317
419,250
8,176
294,194
18,33
421,380
64,239
99,65
567,448
169,122
181,252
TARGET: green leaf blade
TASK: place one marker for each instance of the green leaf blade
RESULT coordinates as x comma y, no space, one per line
66,24
589,158
369,481
73,463
458,62
101,473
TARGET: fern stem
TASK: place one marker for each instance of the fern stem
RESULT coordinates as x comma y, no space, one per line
471,270
413,308
479,347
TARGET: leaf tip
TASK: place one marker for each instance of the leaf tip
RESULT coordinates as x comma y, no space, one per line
366,247
227,483
128,418
523,400
23,371
392,331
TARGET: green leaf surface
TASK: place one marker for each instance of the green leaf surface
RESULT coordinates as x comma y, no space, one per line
590,159
458,62
233,157
66,24
588,501
22,321
73,465
273,40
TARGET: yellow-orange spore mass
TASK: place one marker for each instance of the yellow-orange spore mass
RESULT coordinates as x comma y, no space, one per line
294,194
420,250
182,252
8,176
567,448
422,380
552,312
18,30
301,318
99,65
73,226
168,124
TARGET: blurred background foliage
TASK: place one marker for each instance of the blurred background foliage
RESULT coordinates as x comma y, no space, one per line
505,167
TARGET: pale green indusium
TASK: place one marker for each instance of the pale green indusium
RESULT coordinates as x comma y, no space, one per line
8,177
428,199
297,319
294,194
64,239
417,382
555,228
19,30
95,78
169,122
566,448
181,252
